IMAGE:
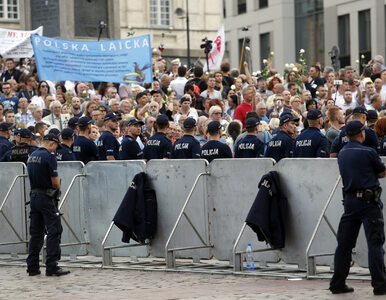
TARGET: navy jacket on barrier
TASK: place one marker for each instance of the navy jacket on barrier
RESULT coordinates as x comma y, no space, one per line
137,214
267,214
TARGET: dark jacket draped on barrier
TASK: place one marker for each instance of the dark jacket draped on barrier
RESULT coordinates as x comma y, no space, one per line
267,214
137,214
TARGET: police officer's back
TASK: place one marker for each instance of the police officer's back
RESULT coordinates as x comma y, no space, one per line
44,215
84,149
159,145
187,146
65,153
21,151
108,146
360,168
311,142
214,148
371,140
129,148
5,134
250,146
282,144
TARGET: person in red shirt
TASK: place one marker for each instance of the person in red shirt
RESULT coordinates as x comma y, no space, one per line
249,94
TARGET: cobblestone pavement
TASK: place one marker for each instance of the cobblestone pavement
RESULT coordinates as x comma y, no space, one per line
126,284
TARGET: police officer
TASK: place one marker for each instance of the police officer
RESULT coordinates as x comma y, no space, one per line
23,148
5,134
214,148
250,146
108,146
84,149
159,145
129,148
65,153
371,140
187,146
311,142
44,215
282,145
360,168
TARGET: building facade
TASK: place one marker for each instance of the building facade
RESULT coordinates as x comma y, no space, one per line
286,26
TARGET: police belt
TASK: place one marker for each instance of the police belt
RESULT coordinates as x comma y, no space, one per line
52,193
373,194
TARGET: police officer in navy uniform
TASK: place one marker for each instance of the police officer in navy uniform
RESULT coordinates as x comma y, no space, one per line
360,168
311,142
108,146
371,140
129,148
21,151
67,139
159,145
214,148
250,146
5,134
282,145
187,146
44,215
84,149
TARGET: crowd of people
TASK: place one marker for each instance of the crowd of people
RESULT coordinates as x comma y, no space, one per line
189,113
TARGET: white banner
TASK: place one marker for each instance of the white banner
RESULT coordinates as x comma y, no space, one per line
17,43
218,50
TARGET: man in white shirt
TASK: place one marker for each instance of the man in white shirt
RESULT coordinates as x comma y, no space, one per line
185,109
178,84
211,92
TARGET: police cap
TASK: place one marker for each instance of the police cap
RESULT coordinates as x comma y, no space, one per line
134,122
190,123
284,118
214,127
111,116
84,121
54,138
162,120
73,122
354,127
5,126
55,131
359,110
25,133
67,133
372,115
314,114
251,122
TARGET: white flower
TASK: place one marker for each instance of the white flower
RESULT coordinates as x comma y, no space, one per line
233,87
317,93
169,89
264,61
362,56
206,73
254,74
286,66
292,66
301,51
272,53
247,49
258,73
357,61
294,69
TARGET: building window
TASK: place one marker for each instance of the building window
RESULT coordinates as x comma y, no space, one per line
241,6
263,4
344,40
364,31
309,30
160,12
9,9
265,47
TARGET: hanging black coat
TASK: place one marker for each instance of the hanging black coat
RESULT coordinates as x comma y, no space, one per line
267,214
137,214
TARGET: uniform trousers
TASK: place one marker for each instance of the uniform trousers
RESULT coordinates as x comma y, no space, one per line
356,212
45,218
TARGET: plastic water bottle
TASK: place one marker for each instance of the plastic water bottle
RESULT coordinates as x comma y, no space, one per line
249,258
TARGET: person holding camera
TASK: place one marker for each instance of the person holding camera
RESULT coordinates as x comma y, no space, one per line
44,215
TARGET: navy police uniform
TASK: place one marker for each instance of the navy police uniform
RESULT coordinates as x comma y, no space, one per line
5,144
21,151
159,145
311,142
66,154
383,147
187,146
108,145
249,147
84,149
215,149
129,149
359,166
44,215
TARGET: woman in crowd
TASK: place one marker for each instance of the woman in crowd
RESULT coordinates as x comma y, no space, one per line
43,91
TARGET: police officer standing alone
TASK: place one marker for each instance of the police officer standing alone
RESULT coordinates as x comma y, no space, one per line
65,153
187,146
282,145
214,148
45,217
250,146
360,168
159,145
129,148
108,146
311,142
5,134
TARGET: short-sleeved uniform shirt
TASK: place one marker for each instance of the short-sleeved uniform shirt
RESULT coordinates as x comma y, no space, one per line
311,143
215,149
129,149
281,146
65,154
186,147
5,145
371,140
158,146
249,147
41,166
359,166
84,149
19,152
108,145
